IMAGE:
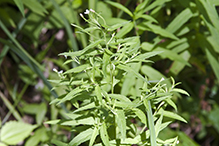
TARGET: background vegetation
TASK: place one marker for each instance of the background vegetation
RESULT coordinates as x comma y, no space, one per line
34,32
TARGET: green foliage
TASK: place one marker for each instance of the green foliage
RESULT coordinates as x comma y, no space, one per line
102,113
179,37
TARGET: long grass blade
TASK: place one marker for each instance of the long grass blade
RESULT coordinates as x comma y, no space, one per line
14,34
151,125
10,107
74,45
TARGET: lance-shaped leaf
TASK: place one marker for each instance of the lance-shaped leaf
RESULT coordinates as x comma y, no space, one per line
93,137
171,115
129,69
20,6
214,63
141,115
79,53
147,55
71,95
180,20
98,93
117,25
120,97
126,29
158,30
121,7
81,137
104,135
85,121
78,69
121,123
86,107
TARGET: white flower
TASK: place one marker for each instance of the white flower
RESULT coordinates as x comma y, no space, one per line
55,70
60,72
92,10
81,15
87,11
65,56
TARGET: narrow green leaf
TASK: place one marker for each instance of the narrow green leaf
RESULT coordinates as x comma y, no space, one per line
93,137
180,20
119,97
85,121
78,53
72,94
178,66
152,74
158,125
180,91
171,103
141,115
124,104
58,143
10,107
211,12
155,4
106,59
121,7
126,29
214,63
86,107
171,115
52,122
78,69
81,137
20,51
146,17
158,30
141,6
214,36
151,124
14,132
121,122
171,55
104,135
98,93
35,6
20,6
129,69
74,45
146,55
117,25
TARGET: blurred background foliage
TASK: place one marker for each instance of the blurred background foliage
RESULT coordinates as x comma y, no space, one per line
34,32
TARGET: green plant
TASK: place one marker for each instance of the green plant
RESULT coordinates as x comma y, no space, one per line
108,94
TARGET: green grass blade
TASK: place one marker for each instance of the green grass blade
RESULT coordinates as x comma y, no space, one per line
74,45
151,125
14,34
18,45
31,64
10,107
